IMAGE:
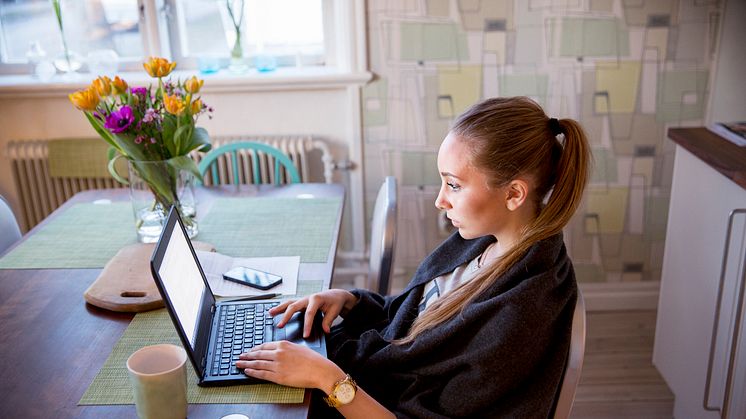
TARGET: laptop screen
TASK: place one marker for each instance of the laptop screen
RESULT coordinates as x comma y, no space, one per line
184,288
183,282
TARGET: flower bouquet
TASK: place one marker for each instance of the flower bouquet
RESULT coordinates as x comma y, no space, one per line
154,129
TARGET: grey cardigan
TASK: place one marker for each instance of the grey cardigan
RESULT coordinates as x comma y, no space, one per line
503,356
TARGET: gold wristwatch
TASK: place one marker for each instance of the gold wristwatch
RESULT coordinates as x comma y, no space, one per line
342,393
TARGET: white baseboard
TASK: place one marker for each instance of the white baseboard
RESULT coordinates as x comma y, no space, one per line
615,296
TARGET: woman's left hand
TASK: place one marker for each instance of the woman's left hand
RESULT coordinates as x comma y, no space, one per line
289,364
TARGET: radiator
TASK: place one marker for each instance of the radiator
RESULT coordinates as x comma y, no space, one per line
39,193
310,156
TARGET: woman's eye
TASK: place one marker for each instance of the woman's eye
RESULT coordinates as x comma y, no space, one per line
453,186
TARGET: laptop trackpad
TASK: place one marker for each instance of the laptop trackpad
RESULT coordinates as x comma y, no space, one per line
293,332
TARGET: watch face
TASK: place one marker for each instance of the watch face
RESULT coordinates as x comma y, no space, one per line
345,392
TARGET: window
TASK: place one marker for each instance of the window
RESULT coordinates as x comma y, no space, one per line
90,26
290,31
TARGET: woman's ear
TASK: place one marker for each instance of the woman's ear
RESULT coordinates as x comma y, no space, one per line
517,193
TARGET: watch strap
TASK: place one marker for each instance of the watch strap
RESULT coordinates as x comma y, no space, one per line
331,398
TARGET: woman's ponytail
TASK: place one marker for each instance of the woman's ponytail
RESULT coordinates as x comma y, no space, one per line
571,175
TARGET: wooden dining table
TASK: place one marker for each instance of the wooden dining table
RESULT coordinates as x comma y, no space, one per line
52,343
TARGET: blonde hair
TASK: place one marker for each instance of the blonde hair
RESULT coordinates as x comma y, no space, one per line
510,137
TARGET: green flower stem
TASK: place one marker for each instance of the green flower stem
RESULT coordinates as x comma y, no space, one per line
58,14
138,224
237,51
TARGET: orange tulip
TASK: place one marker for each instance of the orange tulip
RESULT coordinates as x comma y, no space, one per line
193,85
159,67
86,99
119,86
173,104
102,85
196,106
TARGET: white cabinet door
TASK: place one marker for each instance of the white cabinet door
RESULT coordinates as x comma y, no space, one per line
701,201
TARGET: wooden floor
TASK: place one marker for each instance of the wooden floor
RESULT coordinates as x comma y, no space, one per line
618,379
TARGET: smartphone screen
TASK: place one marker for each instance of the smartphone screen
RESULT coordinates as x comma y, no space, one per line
252,277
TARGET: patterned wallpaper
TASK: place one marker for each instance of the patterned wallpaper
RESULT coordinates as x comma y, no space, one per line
626,69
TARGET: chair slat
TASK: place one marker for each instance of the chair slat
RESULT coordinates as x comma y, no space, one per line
280,159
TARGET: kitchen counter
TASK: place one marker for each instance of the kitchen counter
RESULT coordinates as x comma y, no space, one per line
699,348
717,152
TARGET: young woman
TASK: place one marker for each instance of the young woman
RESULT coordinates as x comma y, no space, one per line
483,328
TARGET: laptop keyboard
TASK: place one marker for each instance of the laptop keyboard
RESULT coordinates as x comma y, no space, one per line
240,328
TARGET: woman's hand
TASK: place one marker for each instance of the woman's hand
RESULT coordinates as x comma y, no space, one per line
290,364
331,303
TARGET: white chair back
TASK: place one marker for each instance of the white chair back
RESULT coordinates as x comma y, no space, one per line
9,230
574,365
383,238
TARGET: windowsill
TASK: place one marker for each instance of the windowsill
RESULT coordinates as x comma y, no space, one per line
284,78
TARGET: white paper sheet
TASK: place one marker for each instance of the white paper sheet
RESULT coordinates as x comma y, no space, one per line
214,264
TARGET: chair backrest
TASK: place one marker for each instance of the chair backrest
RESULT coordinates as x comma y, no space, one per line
9,230
383,238
252,149
574,363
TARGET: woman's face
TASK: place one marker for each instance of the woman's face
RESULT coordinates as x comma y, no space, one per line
472,206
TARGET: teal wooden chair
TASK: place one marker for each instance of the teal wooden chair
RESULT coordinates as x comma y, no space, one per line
284,168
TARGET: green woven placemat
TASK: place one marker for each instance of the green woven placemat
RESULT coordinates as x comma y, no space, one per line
84,236
87,235
257,227
308,287
111,385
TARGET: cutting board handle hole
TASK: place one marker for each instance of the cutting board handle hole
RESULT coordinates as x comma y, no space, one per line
133,294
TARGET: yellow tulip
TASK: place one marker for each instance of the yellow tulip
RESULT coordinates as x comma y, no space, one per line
173,104
86,99
119,86
193,85
196,106
159,67
102,85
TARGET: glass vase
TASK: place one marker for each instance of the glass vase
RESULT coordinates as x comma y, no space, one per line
238,61
154,187
68,62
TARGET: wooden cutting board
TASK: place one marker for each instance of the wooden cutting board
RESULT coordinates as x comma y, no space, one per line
126,284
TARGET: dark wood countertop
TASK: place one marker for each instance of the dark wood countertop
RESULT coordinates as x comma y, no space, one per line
717,152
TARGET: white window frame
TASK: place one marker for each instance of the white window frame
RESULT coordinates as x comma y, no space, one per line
346,64
124,65
175,25
344,39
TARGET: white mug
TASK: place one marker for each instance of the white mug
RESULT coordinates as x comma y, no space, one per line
158,377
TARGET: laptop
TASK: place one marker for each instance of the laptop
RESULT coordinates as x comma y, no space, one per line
214,333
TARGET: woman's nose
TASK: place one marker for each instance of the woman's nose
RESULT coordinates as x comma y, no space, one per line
440,202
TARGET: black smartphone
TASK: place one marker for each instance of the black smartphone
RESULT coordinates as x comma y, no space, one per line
252,277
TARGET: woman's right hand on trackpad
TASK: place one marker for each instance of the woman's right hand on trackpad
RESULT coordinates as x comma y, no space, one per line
331,303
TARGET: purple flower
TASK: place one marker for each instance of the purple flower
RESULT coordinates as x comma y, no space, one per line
150,116
141,91
120,120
